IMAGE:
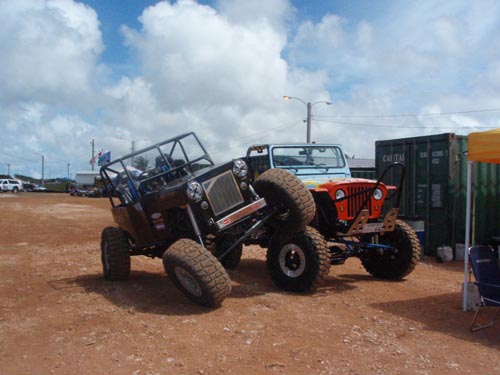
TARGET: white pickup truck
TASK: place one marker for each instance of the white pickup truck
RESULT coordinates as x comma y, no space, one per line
11,185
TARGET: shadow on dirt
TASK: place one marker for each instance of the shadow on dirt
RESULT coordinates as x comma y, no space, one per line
250,279
143,292
155,293
443,313
252,275
341,283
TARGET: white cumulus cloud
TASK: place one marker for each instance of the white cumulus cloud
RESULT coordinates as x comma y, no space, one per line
221,70
49,49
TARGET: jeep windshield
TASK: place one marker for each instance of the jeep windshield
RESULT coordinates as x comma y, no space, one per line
155,167
308,157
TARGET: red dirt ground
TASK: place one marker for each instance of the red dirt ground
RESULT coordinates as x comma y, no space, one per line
59,316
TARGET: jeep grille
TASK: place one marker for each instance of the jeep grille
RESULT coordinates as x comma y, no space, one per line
223,192
356,198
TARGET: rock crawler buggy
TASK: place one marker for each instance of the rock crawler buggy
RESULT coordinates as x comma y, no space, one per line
171,201
351,213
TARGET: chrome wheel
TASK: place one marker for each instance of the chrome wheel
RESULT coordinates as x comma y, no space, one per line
292,260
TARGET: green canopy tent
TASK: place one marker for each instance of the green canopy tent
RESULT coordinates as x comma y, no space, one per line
482,147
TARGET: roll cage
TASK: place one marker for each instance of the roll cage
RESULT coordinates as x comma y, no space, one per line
164,164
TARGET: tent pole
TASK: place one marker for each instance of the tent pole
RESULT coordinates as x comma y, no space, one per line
470,167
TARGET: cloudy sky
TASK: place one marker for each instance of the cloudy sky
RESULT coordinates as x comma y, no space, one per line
116,71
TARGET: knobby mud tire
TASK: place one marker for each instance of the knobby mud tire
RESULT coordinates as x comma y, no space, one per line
394,265
115,254
286,193
298,262
197,273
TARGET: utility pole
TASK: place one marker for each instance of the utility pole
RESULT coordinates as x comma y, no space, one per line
8,170
309,106
92,160
132,146
132,150
308,136
43,170
68,170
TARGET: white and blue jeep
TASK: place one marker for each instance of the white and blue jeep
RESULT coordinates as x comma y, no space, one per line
357,217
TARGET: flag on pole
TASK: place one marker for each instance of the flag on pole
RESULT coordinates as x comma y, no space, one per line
104,157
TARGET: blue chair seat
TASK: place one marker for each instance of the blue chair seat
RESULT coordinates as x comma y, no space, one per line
485,266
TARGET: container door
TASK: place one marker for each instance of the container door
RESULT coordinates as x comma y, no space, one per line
427,183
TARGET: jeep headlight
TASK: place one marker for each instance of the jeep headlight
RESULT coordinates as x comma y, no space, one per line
194,191
377,194
240,168
339,194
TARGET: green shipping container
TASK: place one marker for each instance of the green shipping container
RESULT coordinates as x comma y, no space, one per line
435,187
363,173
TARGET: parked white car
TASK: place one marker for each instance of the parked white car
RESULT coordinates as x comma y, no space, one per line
39,188
11,185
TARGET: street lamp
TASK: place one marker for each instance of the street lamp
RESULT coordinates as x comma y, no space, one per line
309,106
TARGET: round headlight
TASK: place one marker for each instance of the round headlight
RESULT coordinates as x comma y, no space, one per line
240,168
377,194
339,194
194,191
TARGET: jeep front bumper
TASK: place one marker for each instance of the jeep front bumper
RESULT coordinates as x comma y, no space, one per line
240,214
361,226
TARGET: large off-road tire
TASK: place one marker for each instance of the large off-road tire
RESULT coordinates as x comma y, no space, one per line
115,254
285,193
197,273
398,263
298,262
217,246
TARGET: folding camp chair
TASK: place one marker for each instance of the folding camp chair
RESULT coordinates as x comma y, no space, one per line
485,266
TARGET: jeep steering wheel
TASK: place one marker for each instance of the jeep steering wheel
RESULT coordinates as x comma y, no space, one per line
143,175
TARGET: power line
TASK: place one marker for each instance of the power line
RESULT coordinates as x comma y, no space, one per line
414,114
57,161
404,127
261,135
19,158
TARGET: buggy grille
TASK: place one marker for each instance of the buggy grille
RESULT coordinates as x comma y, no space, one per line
223,192
357,195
